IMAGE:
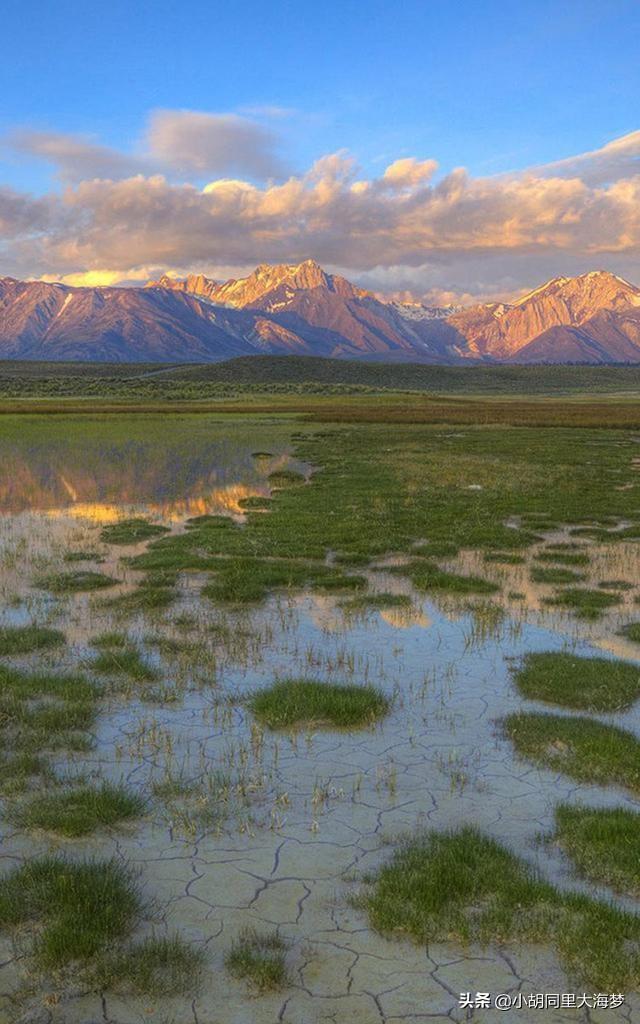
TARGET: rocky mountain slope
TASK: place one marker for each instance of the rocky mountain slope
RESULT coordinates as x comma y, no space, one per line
301,309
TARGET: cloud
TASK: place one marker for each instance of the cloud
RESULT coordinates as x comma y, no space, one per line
75,156
183,142
400,231
617,159
200,143
409,172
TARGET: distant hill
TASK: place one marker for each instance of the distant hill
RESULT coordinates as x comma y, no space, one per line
260,373
300,309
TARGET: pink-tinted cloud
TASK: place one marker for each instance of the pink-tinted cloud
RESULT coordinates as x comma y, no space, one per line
398,231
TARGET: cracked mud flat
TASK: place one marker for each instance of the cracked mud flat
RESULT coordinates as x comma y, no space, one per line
307,813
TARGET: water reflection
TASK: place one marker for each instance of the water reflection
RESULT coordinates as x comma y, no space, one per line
173,468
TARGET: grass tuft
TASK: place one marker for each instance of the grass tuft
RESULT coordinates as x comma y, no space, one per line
587,684
74,582
364,602
579,747
631,631
603,843
123,661
75,908
154,966
292,702
429,576
77,812
540,574
465,886
587,604
25,639
259,958
131,531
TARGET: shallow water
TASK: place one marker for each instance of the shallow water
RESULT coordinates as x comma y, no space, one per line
298,817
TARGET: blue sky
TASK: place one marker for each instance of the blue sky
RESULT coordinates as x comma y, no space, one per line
492,87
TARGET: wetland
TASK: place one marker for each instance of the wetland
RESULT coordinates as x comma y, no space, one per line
313,721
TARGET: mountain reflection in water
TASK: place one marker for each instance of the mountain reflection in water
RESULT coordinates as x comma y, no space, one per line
179,470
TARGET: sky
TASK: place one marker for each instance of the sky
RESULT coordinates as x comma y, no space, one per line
446,151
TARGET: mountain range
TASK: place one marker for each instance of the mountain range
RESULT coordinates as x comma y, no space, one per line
301,309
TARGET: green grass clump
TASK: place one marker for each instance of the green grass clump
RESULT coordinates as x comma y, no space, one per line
562,556
381,600
504,557
79,811
154,593
587,684
255,502
579,747
123,661
259,958
285,478
291,702
74,582
616,585
83,556
109,640
249,580
18,771
24,639
540,574
351,558
211,522
586,603
464,886
603,843
44,710
631,631
75,908
429,576
131,531
155,966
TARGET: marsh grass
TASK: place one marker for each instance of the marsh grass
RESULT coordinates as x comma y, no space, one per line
603,844
540,574
579,747
90,555
25,639
154,593
260,959
586,684
45,710
131,531
616,585
504,557
255,503
249,580
292,702
464,886
166,966
110,640
381,600
285,478
560,555
585,603
632,631
80,811
429,576
22,770
123,661
75,582
74,908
